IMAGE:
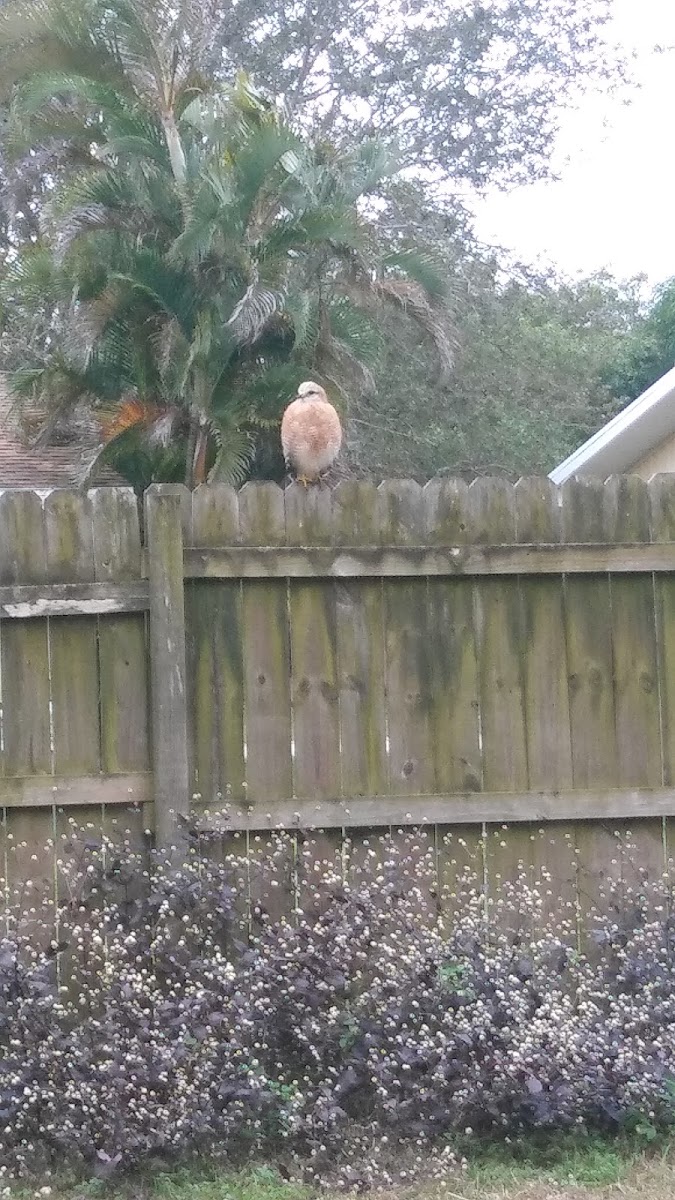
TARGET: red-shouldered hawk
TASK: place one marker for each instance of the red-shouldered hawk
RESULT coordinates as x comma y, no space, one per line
311,434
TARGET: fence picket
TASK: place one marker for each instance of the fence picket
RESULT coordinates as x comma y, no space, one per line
547,717
214,620
313,645
589,645
25,646
266,653
122,639
360,649
73,640
501,645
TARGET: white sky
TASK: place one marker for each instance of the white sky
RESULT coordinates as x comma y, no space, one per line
614,205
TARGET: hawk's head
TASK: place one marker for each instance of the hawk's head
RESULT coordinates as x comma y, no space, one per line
311,391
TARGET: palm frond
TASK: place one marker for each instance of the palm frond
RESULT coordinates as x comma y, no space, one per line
338,228
302,309
235,448
258,156
203,214
412,299
336,358
117,191
365,168
166,288
355,330
421,267
46,36
134,146
32,279
253,312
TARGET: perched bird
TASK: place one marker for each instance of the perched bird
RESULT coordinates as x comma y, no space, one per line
311,434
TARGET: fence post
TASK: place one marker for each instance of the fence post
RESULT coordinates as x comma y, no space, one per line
164,542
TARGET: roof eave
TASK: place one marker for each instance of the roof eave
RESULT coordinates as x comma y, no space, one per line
625,439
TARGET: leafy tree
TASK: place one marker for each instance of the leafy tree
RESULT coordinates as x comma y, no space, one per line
530,381
204,257
470,88
650,350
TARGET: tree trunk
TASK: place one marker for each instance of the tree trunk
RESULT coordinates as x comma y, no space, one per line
190,452
174,146
199,469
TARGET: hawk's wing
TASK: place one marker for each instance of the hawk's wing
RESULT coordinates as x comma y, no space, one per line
311,434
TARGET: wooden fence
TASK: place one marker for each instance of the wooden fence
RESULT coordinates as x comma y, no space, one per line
341,659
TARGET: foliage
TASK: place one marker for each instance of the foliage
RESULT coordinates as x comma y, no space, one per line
362,1020
77,102
471,90
437,80
650,350
531,379
205,257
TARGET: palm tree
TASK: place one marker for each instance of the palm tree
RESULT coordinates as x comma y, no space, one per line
202,257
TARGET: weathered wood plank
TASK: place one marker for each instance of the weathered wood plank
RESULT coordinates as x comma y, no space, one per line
454,715
24,644
217,691
400,513
508,863
589,647
636,685
214,616
313,645
122,639
491,513
599,865
218,696
73,645
215,515
589,513
360,657
164,533
453,809
547,716
40,792
266,655
498,621
354,562
408,647
262,516
308,515
408,651
662,524
360,650
447,511
75,599
356,507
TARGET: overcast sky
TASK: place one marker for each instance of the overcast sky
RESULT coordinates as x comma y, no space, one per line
614,205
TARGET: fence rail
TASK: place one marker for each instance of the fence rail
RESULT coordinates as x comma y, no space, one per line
350,658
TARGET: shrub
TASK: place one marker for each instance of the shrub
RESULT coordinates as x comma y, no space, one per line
324,1009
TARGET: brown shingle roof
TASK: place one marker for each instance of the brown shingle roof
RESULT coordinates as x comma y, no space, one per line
24,466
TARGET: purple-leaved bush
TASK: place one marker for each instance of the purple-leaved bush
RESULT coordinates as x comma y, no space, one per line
324,1006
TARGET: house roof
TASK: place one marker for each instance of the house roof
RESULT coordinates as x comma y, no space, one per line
630,435
44,467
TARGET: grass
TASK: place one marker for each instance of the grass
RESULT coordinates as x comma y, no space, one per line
560,1168
584,1161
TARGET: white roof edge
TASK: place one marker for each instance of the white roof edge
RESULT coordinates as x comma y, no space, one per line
617,445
